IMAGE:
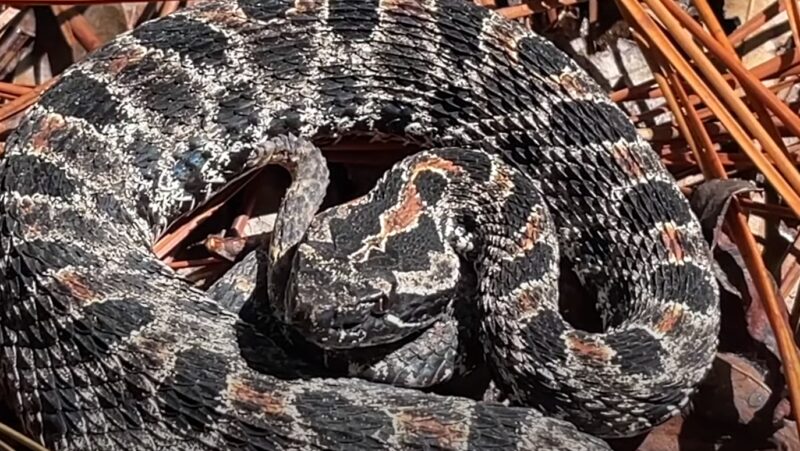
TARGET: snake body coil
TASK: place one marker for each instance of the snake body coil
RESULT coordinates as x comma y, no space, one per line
103,347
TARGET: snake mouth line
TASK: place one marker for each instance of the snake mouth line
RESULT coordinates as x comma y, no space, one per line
386,330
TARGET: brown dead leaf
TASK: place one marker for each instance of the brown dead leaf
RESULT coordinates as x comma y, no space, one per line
710,201
745,300
733,411
737,392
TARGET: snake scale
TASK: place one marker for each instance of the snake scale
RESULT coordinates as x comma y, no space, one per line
104,347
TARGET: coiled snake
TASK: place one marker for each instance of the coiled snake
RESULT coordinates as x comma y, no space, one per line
106,348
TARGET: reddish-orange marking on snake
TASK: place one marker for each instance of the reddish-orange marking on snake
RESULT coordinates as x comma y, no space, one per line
447,435
574,84
268,403
406,214
123,60
589,349
527,301
627,162
670,319
531,234
671,238
76,285
41,139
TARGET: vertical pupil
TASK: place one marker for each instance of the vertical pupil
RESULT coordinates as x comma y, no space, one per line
378,308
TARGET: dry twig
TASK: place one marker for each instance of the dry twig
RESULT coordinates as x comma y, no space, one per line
684,30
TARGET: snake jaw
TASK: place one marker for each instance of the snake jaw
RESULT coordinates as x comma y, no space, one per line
360,338
401,324
371,332
358,310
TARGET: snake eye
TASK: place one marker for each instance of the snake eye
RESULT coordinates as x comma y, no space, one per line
379,308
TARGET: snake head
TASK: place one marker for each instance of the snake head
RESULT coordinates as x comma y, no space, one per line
353,284
343,305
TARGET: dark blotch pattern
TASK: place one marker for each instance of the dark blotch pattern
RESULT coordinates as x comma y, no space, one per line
285,121
479,164
574,123
190,397
146,153
170,93
353,20
540,59
343,98
532,265
29,174
190,38
85,340
173,96
459,27
395,116
431,187
654,203
81,96
543,332
686,283
114,320
237,110
285,57
413,248
453,106
57,255
349,422
638,352
350,233
264,10
486,420
517,208
500,110
85,151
